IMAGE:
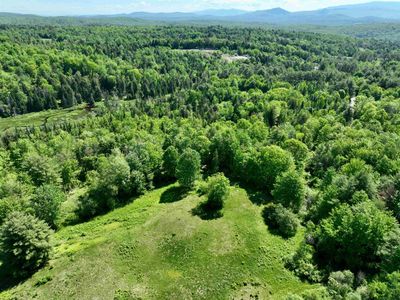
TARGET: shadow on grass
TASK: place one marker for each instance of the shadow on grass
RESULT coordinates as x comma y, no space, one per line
7,280
162,181
257,197
205,213
173,194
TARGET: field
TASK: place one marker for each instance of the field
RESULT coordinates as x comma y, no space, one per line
43,117
155,248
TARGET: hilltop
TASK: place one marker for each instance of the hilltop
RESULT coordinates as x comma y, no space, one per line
155,248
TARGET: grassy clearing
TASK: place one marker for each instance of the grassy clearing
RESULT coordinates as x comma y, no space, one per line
39,118
153,250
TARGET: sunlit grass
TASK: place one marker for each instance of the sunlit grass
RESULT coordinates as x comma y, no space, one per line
153,250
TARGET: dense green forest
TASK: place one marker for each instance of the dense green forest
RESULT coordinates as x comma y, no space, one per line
308,122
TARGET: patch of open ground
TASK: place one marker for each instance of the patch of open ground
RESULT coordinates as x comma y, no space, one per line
153,250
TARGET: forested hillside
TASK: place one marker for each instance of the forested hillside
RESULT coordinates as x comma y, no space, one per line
52,67
307,125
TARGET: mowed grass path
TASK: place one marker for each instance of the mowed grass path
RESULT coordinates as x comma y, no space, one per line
152,250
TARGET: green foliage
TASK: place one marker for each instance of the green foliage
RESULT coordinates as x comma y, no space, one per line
303,265
325,106
41,169
69,173
217,191
270,162
361,178
351,237
46,202
289,190
113,175
392,196
24,244
340,284
110,186
138,182
280,220
170,161
299,150
223,148
387,289
355,183
13,195
316,294
293,297
188,168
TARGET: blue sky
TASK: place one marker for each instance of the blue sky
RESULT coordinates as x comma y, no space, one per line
79,7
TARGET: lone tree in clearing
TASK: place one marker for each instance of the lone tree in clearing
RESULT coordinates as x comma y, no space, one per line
218,188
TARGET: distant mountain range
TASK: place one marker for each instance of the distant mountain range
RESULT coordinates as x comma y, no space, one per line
347,14
373,12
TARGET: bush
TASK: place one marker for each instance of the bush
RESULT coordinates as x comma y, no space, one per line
316,294
218,187
24,243
293,297
188,168
46,203
340,284
88,207
302,264
99,200
387,289
280,220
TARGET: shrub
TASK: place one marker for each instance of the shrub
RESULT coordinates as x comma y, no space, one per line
293,297
88,207
388,288
393,196
46,203
340,284
302,263
316,294
24,243
99,199
280,220
188,168
218,187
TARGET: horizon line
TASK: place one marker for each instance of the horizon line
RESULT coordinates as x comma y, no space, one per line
188,12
